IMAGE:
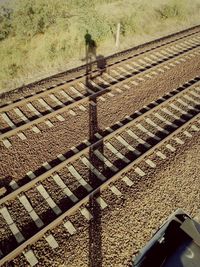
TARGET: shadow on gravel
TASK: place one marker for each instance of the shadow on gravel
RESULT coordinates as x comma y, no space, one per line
95,242
5,182
93,138
99,64
95,228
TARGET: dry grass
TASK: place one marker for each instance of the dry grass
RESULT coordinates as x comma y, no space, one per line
61,45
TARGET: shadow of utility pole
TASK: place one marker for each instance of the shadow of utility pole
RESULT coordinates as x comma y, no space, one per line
95,228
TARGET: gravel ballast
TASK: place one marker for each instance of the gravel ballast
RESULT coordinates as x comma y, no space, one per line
67,75
50,142
130,219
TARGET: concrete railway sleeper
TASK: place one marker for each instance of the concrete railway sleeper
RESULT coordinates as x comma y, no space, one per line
164,109
111,60
19,119
64,218
148,132
119,70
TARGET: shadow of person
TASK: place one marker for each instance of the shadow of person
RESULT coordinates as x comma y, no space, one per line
95,228
90,52
91,46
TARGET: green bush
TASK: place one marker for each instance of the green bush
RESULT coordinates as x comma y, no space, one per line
5,22
34,17
171,10
45,35
13,69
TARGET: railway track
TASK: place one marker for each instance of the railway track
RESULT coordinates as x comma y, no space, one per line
62,78
133,70
45,201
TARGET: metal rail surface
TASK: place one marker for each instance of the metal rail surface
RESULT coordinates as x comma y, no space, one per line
180,120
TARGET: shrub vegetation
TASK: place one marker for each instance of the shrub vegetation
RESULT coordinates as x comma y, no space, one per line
42,37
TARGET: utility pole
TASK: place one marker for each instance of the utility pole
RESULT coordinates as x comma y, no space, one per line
117,35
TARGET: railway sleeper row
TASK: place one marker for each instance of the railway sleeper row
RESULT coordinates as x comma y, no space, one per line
20,118
105,160
112,60
109,131
117,73
49,237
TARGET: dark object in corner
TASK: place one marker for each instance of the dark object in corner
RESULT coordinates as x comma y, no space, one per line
175,244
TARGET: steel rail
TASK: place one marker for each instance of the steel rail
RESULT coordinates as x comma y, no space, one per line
95,95
76,80
61,165
85,200
118,54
